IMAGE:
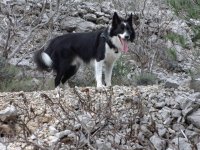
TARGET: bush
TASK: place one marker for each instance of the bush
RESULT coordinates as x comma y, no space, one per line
175,38
188,9
9,81
16,85
7,73
120,73
171,54
145,79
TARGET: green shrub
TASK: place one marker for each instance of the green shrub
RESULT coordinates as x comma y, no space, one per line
120,72
186,8
145,79
7,72
9,81
175,38
171,54
17,85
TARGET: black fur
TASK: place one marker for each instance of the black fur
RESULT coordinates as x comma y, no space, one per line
106,36
118,27
62,50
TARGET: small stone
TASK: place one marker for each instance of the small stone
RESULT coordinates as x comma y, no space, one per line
190,134
161,129
158,143
86,119
182,144
168,121
102,145
171,84
82,12
198,146
160,104
146,131
165,112
187,110
177,127
63,133
171,131
8,112
195,84
99,14
182,101
52,130
107,7
33,137
90,17
194,118
53,140
2,146
176,113
102,20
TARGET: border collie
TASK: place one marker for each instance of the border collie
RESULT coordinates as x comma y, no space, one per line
65,53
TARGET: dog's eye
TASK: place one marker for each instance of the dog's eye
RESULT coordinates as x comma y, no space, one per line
122,27
128,28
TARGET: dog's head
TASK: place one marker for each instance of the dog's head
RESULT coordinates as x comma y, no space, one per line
122,31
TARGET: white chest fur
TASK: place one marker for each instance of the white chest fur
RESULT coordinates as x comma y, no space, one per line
110,55
107,64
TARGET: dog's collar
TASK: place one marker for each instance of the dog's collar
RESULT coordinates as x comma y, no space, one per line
105,36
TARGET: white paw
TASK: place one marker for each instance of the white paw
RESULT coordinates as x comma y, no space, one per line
58,90
65,86
101,88
108,84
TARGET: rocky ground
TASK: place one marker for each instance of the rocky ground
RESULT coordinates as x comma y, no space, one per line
146,117
162,116
27,30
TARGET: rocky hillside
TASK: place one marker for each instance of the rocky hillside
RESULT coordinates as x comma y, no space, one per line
162,116
163,44
146,117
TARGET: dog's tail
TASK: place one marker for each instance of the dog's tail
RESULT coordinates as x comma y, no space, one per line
43,60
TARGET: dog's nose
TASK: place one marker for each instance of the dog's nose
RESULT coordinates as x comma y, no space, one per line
127,37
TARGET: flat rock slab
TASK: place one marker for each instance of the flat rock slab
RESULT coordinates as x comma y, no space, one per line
77,24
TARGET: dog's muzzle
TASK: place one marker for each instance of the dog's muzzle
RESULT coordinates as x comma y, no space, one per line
127,37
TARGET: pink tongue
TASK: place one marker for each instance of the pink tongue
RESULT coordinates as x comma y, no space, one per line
125,45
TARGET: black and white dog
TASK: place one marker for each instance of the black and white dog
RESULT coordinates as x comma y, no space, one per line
65,53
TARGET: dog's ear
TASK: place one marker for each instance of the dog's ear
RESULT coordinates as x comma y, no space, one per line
129,20
116,20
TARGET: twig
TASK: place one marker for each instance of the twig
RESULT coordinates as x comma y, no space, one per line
5,53
184,135
18,48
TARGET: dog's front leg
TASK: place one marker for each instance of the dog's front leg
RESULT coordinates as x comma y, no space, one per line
98,72
108,73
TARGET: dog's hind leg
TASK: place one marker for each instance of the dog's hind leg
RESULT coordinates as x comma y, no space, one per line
69,73
61,68
58,78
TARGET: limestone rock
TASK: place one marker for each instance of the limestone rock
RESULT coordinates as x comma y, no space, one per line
158,143
77,24
171,84
194,118
182,143
90,17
